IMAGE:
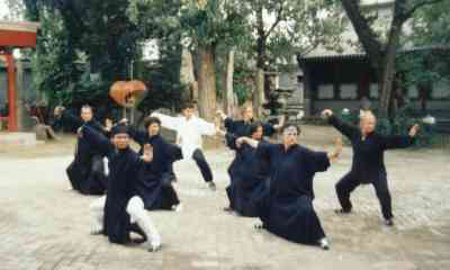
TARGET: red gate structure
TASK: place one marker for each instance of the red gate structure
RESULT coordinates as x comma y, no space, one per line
14,35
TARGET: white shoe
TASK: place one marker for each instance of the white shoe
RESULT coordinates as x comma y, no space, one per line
323,243
152,246
177,208
96,229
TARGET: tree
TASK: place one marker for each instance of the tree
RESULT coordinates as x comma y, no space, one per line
98,42
52,61
208,24
430,63
382,53
284,28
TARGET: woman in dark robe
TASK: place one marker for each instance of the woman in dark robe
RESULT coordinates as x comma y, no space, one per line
242,127
287,209
368,160
155,180
86,172
248,179
121,207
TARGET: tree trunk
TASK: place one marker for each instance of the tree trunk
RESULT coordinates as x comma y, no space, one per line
387,73
229,93
258,93
187,77
207,83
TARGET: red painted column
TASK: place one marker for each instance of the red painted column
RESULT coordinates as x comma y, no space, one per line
12,120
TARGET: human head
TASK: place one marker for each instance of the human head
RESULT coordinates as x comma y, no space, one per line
290,134
367,122
152,125
87,113
120,137
188,110
247,113
256,131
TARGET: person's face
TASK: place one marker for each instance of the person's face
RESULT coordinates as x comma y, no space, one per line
121,141
290,136
108,122
367,124
153,129
86,114
258,134
247,114
188,112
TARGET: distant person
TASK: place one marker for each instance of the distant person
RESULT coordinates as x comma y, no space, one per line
242,127
155,181
86,172
249,177
190,129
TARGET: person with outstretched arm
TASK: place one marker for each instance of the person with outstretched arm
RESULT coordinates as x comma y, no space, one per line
190,129
368,160
287,209
121,210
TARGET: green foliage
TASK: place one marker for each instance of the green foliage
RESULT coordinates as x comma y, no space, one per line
83,47
431,31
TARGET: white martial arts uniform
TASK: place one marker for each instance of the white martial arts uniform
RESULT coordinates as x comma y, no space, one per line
189,132
135,208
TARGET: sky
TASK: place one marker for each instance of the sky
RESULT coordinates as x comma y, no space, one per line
4,10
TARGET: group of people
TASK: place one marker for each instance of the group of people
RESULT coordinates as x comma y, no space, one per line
271,181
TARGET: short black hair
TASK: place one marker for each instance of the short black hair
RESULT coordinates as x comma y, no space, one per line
148,121
287,125
120,129
254,127
188,105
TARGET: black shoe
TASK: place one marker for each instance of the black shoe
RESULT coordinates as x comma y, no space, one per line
228,209
389,222
342,211
212,186
258,226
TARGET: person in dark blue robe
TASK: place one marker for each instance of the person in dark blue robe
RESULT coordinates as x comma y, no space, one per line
121,207
155,179
287,209
242,127
249,177
368,160
86,171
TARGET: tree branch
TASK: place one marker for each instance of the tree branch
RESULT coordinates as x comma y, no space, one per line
277,21
409,13
365,33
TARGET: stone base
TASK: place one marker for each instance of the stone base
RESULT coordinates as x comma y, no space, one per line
18,138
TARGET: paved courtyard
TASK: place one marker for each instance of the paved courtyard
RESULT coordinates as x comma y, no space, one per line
43,225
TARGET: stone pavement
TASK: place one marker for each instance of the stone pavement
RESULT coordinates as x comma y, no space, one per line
45,226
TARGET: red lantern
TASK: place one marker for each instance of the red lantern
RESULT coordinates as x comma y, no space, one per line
128,93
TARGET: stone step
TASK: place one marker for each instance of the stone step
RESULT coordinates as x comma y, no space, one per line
18,138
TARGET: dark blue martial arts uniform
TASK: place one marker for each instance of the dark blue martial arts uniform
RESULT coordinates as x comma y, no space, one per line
86,172
123,167
287,209
241,128
154,179
248,179
367,164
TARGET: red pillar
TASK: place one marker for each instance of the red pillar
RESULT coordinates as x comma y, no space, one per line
12,120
